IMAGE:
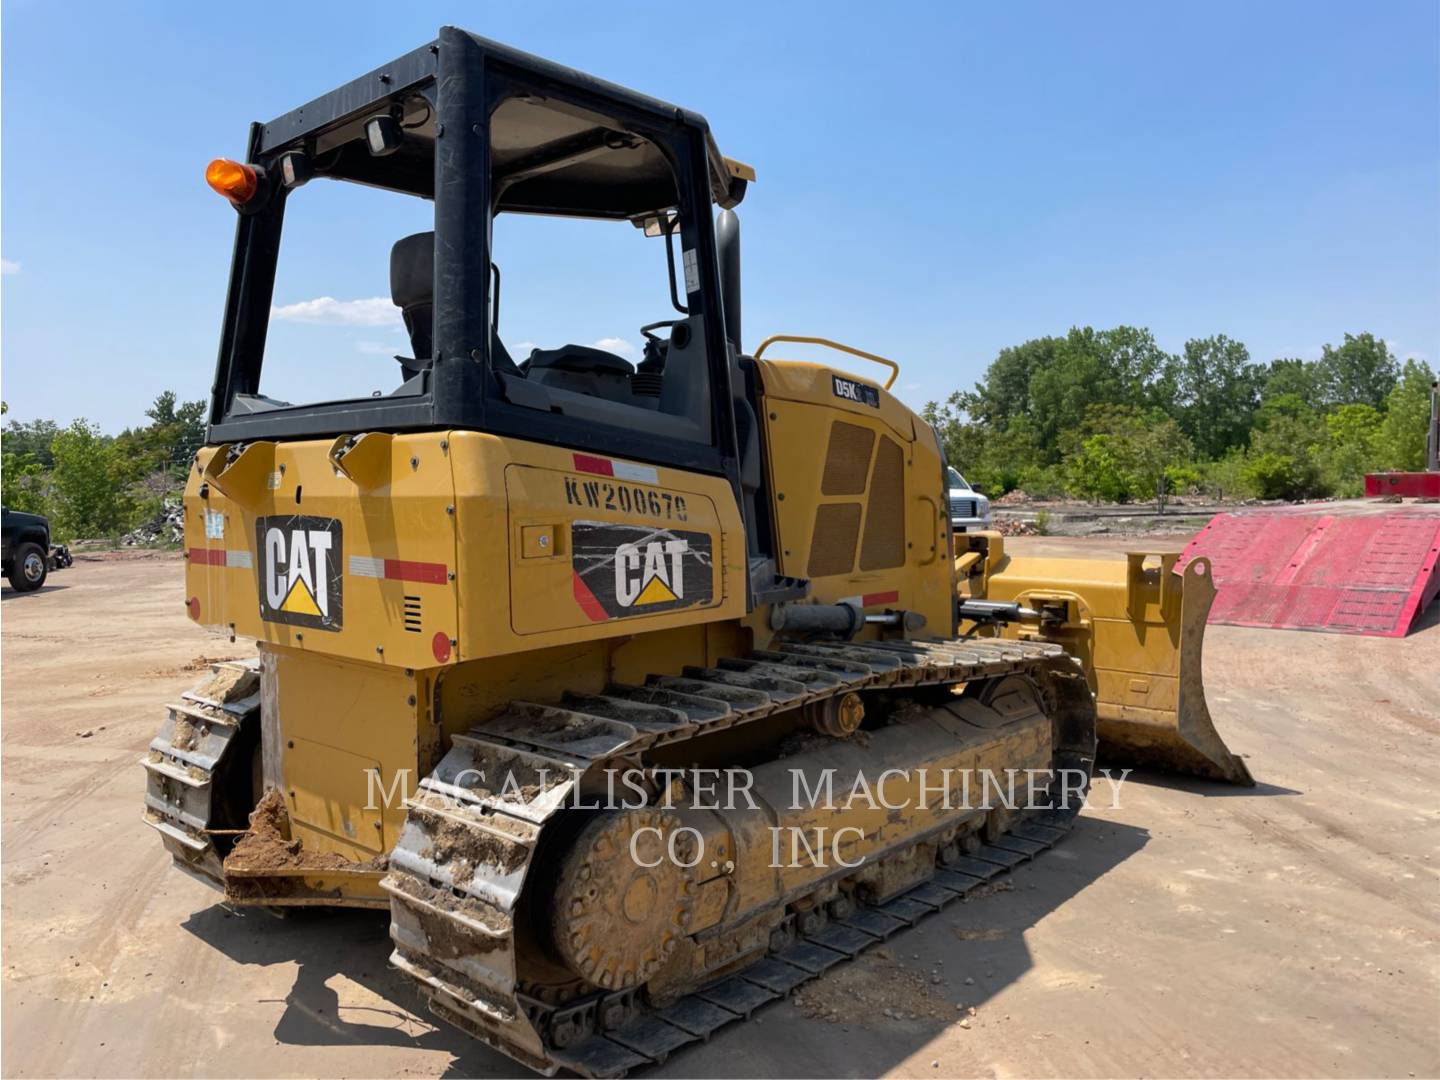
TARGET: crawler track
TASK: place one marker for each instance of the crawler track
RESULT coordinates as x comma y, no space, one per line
454,919
198,792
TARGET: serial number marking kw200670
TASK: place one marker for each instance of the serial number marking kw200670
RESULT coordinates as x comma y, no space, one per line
625,499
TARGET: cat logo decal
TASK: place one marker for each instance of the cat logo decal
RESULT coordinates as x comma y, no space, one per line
300,581
624,570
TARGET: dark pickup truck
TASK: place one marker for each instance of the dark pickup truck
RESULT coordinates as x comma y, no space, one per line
29,555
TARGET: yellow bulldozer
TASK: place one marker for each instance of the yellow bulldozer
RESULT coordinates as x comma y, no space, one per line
544,645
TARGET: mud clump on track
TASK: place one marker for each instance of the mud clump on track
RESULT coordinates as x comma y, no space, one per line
228,683
465,848
200,663
875,990
266,848
185,736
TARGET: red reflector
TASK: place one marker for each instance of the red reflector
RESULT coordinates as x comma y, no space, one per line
598,465
207,556
440,646
873,598
193,607
427,573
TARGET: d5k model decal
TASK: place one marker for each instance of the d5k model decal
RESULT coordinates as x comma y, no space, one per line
300,559
622,570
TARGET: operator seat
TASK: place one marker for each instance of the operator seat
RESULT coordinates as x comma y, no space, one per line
412,289
582,369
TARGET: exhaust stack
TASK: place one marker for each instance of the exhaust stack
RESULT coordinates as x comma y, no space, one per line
727,236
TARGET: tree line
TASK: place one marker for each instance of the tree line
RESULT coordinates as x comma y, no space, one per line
1109,415
1096,414
93,485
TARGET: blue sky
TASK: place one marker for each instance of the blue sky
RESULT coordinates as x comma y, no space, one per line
935,182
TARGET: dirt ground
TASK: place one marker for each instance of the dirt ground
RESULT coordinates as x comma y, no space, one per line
1195,930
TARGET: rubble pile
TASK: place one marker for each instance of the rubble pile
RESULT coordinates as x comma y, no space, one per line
1014,527
1018,497
166,527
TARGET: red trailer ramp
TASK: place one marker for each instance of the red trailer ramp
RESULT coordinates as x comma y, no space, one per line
1341,573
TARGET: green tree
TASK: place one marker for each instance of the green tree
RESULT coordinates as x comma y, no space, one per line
25,463
1273,475
87,500
1121,452
1291,377
1361,371
1050,383
1158,451
1352,435
1226,477
1217,390
26,484
30,441
1004,393
1284,459
1289,413
993,459
152,460
1097,469
1123,366
1401,442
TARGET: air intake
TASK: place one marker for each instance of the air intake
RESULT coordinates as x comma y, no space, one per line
884,544
848,459
412,614
832,544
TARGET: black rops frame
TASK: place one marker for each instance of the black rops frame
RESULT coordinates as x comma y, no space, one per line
468,77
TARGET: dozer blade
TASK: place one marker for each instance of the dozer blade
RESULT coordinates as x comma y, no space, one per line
1139,629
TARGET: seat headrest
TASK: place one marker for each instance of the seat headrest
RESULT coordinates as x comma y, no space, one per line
412,270
581,358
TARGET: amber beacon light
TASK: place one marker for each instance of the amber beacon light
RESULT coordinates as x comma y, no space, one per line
235,181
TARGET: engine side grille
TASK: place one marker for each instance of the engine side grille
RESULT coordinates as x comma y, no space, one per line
848,459
412,614
884,544
832,544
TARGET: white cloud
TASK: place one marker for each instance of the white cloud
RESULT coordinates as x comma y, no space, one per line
326,310
614,345
9,266
1404,352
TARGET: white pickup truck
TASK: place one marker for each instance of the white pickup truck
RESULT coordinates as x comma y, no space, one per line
968,508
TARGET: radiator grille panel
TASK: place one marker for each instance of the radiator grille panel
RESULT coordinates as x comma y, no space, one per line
832,545
962,508
412,614
884,544
847,460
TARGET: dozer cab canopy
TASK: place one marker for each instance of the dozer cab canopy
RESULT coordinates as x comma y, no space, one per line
479,131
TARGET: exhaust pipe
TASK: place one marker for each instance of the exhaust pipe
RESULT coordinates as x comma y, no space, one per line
727,238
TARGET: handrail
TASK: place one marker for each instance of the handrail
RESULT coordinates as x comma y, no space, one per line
891,364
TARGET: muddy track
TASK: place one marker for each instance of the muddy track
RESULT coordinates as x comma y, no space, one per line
459,946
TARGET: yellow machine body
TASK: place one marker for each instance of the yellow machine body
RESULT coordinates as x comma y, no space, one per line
452,590
448,584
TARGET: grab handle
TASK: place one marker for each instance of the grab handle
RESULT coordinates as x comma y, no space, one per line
891,364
